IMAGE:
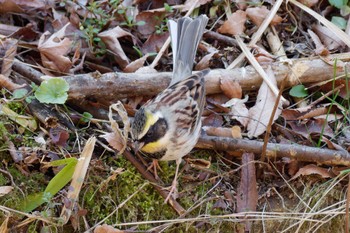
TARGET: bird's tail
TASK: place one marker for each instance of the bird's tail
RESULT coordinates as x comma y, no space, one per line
185,37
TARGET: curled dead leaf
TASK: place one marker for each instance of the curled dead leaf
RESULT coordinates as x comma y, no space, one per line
54,49
238,111
118,138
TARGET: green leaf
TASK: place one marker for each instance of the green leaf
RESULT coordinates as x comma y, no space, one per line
86,117
56,184
298,91
53,91
140,23
339,21
19,93
338,3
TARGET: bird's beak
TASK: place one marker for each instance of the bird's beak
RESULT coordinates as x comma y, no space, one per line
137,146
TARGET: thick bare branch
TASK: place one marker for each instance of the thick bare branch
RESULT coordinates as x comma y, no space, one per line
298,152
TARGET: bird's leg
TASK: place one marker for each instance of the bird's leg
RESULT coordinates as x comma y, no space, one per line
155,166
173,189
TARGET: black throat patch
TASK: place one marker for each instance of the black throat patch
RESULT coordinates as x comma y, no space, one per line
155,132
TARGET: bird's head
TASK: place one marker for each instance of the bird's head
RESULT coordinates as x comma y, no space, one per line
148,131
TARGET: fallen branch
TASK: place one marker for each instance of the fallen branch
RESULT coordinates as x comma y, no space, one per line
116,86
294,151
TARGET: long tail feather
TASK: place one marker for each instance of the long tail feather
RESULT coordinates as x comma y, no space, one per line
185,37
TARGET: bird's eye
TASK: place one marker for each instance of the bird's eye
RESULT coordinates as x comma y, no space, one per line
149,133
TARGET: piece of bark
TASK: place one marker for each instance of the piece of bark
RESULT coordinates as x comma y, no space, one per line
297,152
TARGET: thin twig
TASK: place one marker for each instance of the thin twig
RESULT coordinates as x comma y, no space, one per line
269,125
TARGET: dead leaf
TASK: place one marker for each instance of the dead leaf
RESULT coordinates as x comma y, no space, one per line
314,126
59,136
234,25
154,43
230,88
312,169
247,193
193,3
214,120
258,15
205,61
343,92
328,37
320,48
118,138
308,112
10,6
151,19
53,50
260,113
238,111
5,190
8,84
309,3
8,51
26,33
107,229
135,65
111,39
198,163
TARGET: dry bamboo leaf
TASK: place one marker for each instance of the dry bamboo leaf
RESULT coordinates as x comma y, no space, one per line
78,178
3,227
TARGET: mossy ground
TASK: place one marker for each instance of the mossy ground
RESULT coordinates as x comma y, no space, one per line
202,191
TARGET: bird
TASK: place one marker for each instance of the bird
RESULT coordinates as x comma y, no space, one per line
168,126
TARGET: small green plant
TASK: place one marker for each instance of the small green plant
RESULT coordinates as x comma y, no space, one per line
86,117
168,8
298,91
52,91
129,20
